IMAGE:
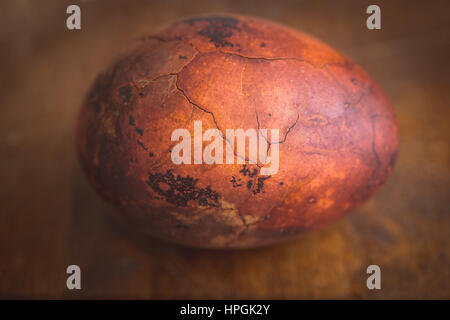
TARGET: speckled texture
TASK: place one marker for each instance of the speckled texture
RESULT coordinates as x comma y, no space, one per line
338,134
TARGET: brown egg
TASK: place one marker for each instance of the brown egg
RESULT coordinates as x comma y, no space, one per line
155,134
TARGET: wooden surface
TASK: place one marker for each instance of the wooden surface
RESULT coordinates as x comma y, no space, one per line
50,217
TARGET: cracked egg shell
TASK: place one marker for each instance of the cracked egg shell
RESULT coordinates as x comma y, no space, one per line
338,133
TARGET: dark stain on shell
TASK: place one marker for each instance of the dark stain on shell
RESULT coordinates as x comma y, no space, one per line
246,171
218,29
125,93
260,184
139,131
236,182
141,144
179,190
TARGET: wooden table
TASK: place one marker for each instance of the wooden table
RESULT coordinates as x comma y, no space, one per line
50,217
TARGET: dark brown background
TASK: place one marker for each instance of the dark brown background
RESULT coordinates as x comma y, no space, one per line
50,217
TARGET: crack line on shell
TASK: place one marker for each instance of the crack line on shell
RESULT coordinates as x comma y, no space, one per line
246,226
215,122
377,158
199,53
322,66
243,56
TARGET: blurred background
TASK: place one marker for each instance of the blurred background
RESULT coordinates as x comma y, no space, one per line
50,217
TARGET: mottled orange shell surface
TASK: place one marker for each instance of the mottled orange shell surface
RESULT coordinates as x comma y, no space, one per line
337,145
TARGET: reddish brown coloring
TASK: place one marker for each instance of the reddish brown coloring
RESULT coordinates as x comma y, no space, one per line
338,133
